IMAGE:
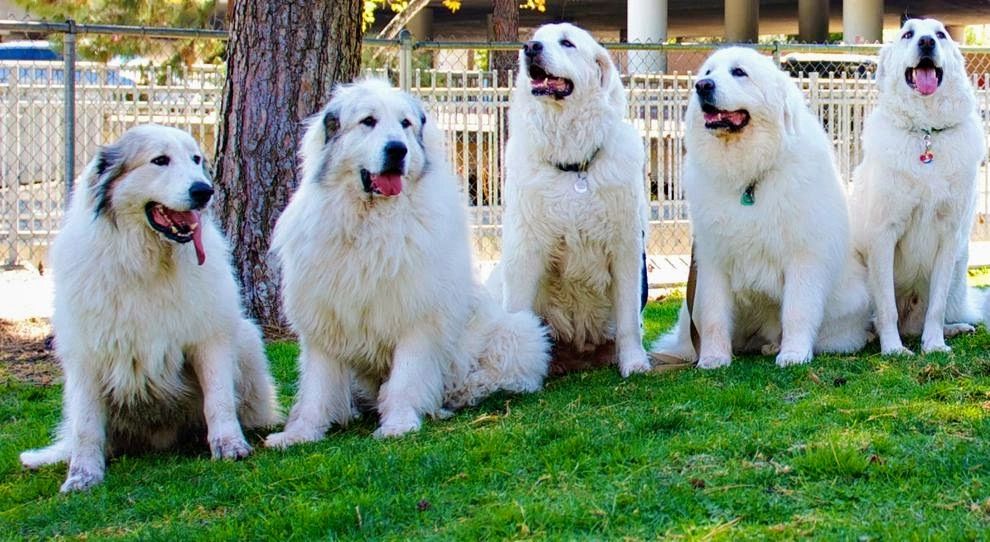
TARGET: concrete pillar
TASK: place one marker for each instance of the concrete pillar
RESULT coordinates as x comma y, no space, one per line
957,32
421,25
813,21
646,22
862,21
742,20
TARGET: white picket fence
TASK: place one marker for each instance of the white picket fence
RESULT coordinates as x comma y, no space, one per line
470,105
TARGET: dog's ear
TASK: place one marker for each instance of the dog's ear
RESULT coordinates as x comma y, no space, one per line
609,78
882,61
106,168
331,123
787,98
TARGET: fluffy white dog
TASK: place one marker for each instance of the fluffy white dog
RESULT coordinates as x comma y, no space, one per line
148,321
575,205
377,275
776,268
916,189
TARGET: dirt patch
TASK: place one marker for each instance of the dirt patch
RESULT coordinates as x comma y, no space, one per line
26,351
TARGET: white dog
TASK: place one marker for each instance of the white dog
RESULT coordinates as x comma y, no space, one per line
377,275
575,205
148,322
775,262
916,189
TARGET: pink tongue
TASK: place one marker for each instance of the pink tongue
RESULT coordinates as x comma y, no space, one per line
198,243
926,81
191,218
387,184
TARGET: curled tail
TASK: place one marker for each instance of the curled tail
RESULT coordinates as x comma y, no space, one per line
509,352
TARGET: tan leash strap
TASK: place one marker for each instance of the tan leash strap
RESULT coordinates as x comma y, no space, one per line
692,283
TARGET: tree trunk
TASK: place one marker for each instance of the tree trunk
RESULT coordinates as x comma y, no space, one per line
284,56
505,27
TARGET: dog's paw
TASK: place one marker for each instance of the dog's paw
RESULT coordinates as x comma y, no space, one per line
770,349
714,362
634,362
951,330
898,351
283,440
793,357
81,479
935,346
229,447
396,426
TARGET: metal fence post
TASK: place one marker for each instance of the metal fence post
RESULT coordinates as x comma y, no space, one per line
776,53
405,59
70,107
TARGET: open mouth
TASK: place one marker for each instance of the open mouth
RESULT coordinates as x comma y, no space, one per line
719,119
386,183
178,226
542,83
926,77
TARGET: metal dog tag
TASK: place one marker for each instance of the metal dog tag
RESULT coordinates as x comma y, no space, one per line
581,184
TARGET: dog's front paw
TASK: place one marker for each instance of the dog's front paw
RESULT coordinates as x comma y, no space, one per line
714,362
935,346
81,478
229,447
635,361
398,425
285,439
793,357
951,330
898,351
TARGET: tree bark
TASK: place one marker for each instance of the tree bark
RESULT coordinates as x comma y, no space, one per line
505,27
284,56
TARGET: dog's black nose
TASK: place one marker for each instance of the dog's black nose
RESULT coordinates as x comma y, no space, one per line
395,152
532,48
200,194
926,44
705,88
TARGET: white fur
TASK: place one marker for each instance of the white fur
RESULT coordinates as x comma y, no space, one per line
575,258
152,344
381,289
780,274
912,220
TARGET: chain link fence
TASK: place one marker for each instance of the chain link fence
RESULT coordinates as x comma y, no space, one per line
469,100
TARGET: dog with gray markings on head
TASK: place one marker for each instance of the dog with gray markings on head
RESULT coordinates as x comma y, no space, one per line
148,322
776,268
377,277
575,201
916,190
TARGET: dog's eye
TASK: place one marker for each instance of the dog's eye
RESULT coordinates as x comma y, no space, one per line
940,35
197,159
406,123
709,72
567,43
369,121
907,35
738,72
161,160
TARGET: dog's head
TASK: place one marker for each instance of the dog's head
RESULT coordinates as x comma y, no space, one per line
738,88
916,63
370,138
563,60
153,174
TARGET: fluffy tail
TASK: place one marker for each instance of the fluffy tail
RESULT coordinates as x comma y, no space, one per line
258,403
512,353
56,453
677,341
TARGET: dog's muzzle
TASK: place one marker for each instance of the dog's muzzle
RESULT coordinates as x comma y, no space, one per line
388,181
715,118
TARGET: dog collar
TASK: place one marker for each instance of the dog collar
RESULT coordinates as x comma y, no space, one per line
749,195
581,168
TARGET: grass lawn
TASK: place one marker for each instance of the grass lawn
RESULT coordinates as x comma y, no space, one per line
850,447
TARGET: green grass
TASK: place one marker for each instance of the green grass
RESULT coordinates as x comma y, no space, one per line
850,447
